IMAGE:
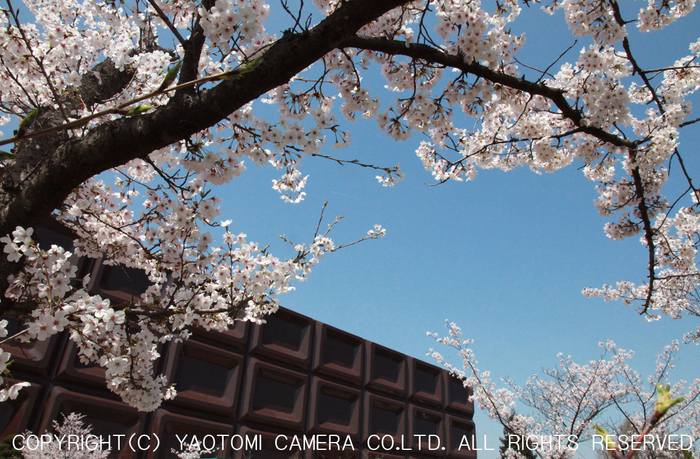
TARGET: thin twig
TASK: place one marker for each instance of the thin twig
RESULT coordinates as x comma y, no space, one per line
688,123
14,336
320,219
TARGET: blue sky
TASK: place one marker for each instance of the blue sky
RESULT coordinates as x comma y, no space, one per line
504,256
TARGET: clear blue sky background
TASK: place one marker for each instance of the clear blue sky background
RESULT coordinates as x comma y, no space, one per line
504,256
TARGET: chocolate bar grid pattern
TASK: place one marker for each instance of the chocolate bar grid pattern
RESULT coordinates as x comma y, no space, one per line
292,376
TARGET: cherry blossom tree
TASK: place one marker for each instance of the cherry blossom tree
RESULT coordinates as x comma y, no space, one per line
64,444
164,93
566,406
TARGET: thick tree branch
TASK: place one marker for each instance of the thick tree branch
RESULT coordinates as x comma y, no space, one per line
193,52
102,83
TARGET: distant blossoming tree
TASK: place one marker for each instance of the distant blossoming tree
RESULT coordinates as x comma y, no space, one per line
69,440
162,92
575,403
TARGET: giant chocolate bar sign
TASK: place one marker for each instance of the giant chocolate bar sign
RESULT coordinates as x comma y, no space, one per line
293,387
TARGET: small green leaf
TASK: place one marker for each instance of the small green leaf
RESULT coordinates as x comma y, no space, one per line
137,110
236,73
80,122
170,76
27,122
4,156
609,442
664,401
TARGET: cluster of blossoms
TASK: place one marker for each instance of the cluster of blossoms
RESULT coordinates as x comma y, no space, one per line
591,17
191,452
658,15
566,402
228,18
481,36
13,391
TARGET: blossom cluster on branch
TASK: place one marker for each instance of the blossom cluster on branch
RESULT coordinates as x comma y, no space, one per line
11,392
